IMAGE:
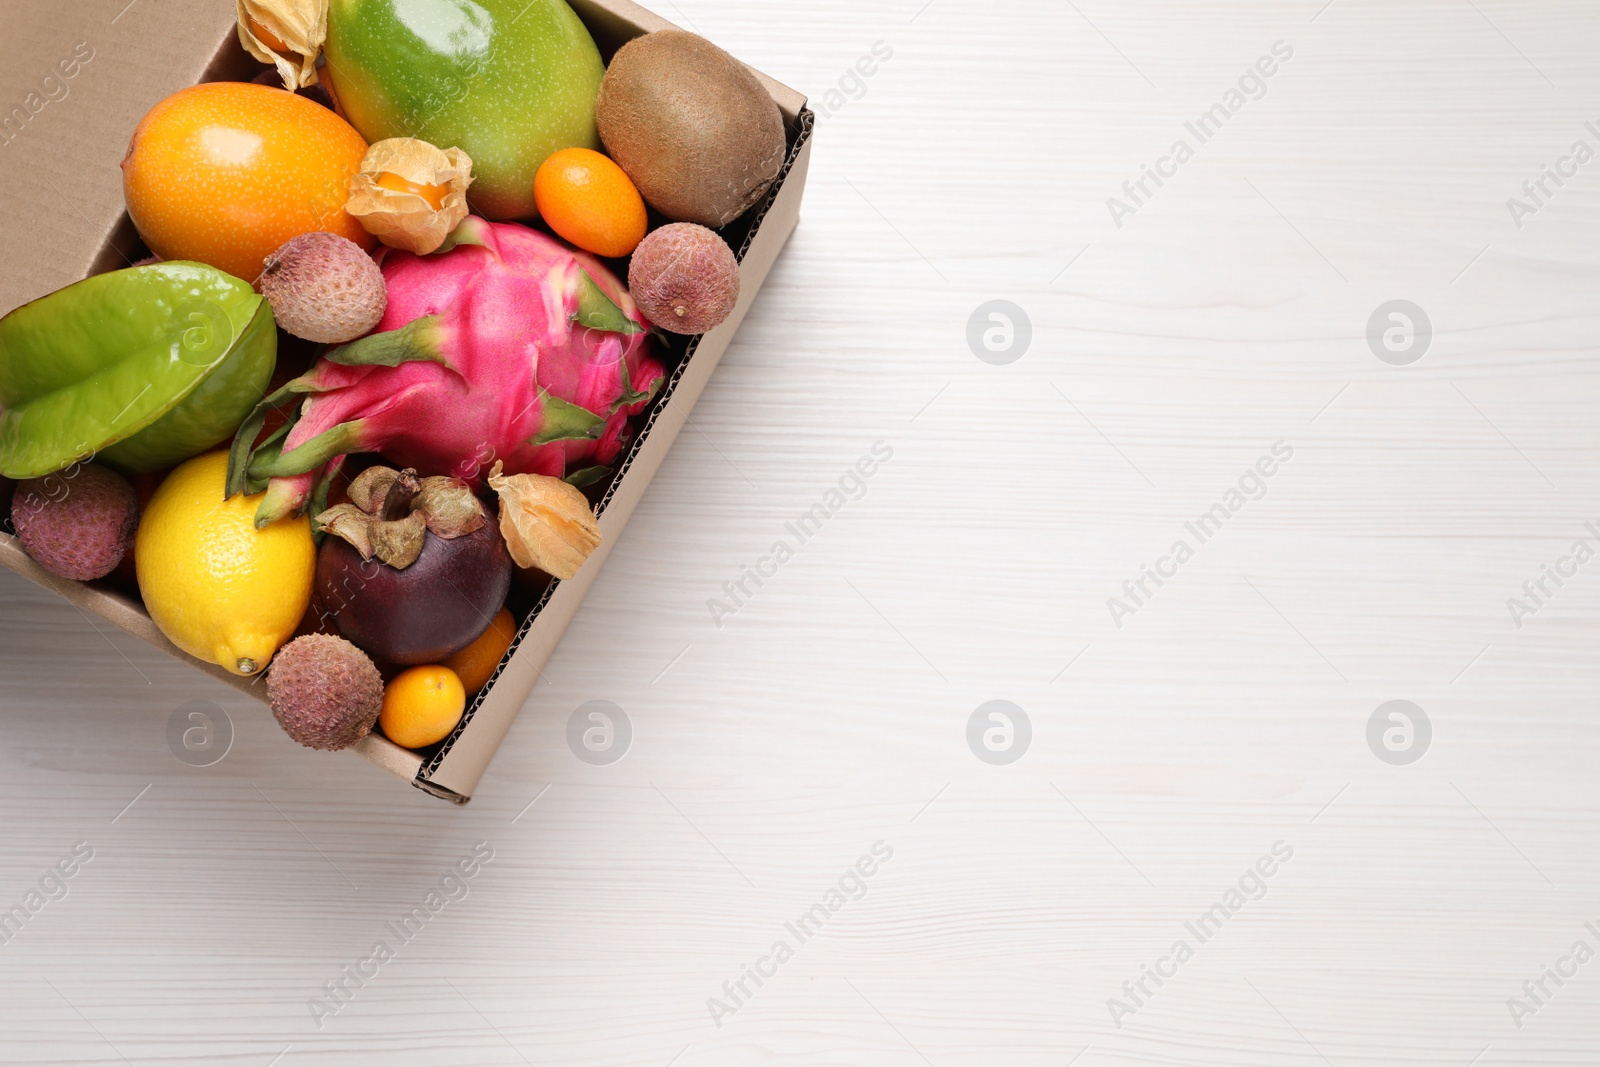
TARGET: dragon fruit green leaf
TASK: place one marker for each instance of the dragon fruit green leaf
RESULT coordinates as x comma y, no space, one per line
598,311
566,422
470,231
628,396
415,340
312,455
586,477
244,446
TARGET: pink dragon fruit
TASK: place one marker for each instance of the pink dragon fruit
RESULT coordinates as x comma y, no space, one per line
506,346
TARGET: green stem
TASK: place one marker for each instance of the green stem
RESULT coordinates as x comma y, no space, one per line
342,439
417,340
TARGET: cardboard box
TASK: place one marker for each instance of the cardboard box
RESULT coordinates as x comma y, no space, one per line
61,137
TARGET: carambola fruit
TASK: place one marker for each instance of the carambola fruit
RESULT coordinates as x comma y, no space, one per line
139,368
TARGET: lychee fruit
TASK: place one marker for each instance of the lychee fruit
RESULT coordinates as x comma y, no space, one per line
325,692
324,288
684,278
77,523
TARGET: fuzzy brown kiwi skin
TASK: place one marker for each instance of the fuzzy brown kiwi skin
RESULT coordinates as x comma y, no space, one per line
691,126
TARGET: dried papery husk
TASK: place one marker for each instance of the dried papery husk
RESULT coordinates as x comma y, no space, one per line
449,507
546,523
348,523
369,488
286,33
398,542
393,195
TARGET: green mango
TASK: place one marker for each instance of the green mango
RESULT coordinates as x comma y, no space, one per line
509,82
140,368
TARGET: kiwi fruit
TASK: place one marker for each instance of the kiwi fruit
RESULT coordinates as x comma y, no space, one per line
691,126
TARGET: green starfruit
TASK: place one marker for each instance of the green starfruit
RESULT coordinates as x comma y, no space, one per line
139,368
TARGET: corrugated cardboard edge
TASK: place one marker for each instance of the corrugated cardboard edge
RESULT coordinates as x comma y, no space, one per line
455,772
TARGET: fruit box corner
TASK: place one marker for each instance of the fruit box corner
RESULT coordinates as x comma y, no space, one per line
452,769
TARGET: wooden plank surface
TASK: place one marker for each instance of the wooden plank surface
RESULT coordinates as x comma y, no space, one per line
830,711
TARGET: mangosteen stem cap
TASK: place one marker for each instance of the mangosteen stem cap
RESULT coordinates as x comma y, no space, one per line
392,512
397,502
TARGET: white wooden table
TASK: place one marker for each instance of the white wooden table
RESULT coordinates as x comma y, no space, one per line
1226,714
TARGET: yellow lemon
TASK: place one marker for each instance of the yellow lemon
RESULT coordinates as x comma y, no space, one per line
220,589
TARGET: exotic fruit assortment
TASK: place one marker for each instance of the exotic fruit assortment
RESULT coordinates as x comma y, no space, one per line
382,359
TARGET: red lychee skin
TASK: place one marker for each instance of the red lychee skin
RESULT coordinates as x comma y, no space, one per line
77,523
324,691
684,278
324,288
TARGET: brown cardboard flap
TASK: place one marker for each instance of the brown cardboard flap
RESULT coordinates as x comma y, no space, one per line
61,148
